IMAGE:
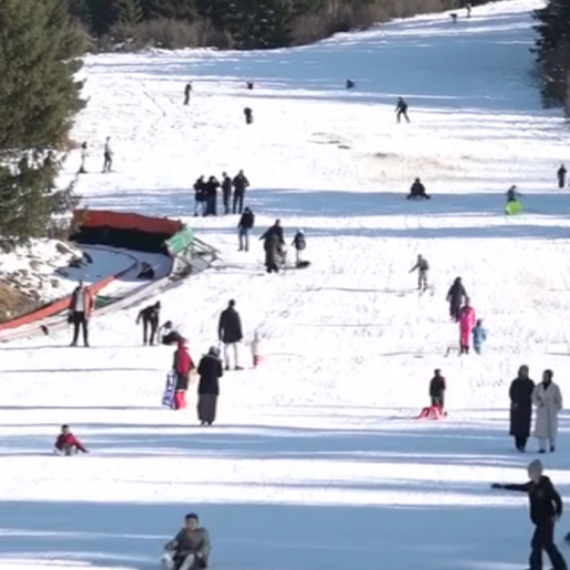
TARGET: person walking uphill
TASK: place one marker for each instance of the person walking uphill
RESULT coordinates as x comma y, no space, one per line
520,395
80,308
273,243
182,366
210,371
422,267
230,333
150,317
467,322
545,509
455,297
548,401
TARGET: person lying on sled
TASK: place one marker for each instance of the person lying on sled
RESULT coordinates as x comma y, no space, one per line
190,548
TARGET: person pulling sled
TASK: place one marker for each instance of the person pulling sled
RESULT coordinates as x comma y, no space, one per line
189,549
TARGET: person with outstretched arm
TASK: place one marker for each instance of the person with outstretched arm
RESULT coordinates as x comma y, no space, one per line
545,510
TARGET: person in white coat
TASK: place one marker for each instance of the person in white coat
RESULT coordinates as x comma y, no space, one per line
548,401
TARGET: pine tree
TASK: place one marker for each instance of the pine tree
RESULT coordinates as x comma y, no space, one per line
128,12
552,49
39,97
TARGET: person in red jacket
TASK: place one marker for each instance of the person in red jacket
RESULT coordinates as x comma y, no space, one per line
182,366
67,443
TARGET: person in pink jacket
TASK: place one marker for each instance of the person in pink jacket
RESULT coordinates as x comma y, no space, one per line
467,321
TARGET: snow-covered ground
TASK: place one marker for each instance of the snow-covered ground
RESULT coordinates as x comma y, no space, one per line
316,461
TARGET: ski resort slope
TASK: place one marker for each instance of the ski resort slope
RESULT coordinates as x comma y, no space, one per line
316,461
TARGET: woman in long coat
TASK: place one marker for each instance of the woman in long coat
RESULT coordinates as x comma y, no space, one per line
548,401
520,394
210,371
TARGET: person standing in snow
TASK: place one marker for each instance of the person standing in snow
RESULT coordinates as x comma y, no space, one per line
402,110
520,395
437,387
300,244
107,156
422,267
273,244
455,297
182,366
245,225
187,93
467,322
226,192
230,333
150,317
248,114
210,371
81,305
212,196
240,184
547,398
200,197
561,175
545,510
479,336
84,156
468,8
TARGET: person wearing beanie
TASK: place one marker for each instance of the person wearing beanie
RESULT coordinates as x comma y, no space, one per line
150,317
190,549
545,509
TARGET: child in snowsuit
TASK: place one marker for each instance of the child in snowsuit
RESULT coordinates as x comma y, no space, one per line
182,366
479,336
437,389
300,244
466,325
67,444
190,548
422,267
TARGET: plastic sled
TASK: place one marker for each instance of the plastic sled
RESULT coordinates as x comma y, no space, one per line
513,208
432,413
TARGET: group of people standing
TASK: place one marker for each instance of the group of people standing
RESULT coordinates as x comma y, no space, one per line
233,194
546,397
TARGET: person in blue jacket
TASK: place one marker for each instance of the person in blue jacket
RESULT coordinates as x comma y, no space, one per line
479,336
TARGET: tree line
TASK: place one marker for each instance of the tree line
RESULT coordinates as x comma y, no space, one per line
552,50
236,24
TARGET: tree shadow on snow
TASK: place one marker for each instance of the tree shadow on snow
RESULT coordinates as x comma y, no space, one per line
265,536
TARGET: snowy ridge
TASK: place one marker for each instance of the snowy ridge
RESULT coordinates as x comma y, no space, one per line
316,460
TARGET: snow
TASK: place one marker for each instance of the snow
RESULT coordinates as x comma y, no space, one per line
316,461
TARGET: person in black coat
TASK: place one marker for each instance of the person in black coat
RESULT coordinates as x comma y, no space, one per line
210,371
402,110
150,317
200,197
245,225
437,389
240,184
273,244
520,394
418,191
545,509
561,175
248,114
226,192
230,333
212,196
456,296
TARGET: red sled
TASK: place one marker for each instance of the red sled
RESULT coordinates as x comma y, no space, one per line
432,413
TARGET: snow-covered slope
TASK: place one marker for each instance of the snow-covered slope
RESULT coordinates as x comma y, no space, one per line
315,462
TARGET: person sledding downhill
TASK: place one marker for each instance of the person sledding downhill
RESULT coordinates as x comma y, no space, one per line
437,388
514,205
67,444
190,549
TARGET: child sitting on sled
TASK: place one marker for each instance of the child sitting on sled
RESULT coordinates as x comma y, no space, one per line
67,444
190,548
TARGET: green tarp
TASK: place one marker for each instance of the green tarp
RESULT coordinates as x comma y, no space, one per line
180,242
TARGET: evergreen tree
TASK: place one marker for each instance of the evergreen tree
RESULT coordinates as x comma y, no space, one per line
128,12
552,49
39,97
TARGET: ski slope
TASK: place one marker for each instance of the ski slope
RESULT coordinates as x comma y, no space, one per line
315,461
